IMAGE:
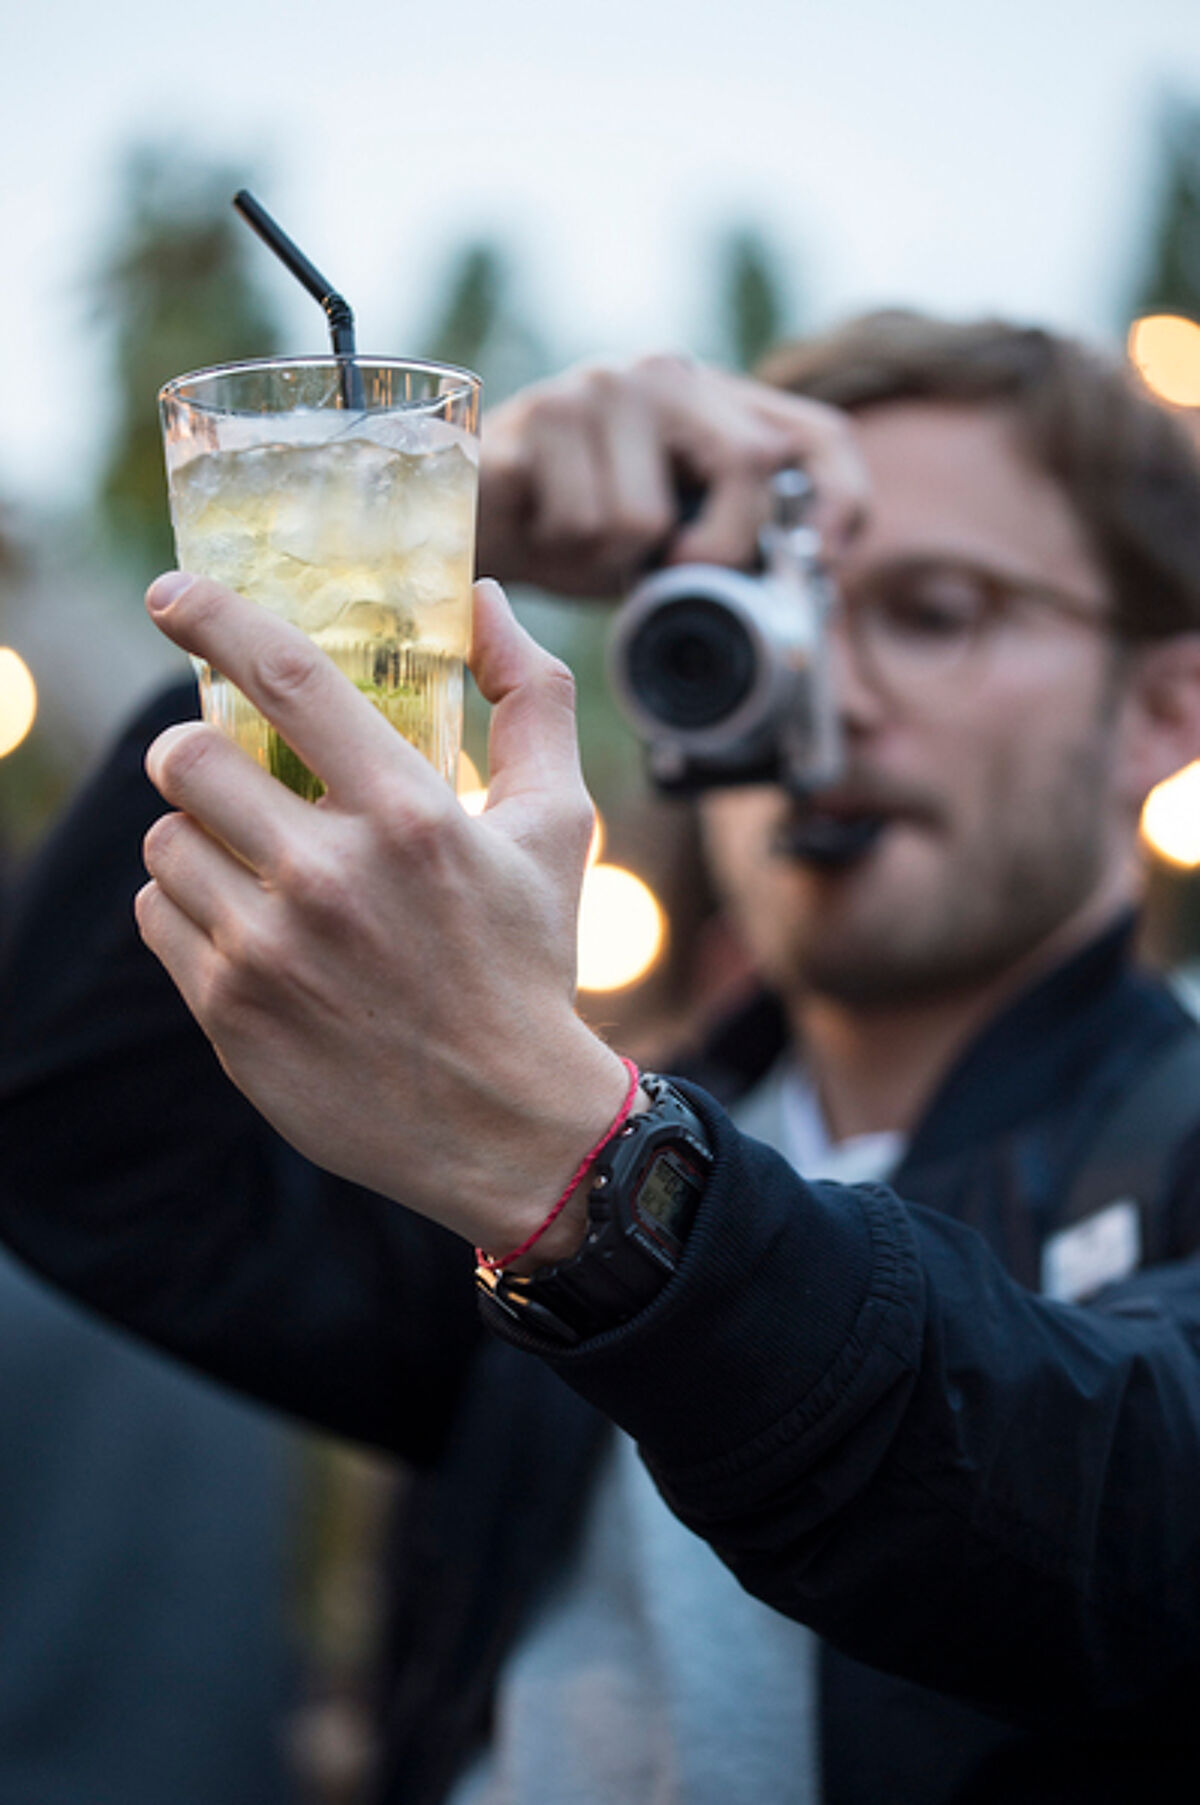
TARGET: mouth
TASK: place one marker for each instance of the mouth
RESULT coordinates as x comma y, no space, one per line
836,828
828,837
842,826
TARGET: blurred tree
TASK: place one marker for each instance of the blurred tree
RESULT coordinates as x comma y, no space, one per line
12,558
176,290
1170,282
470,307
477,324
754,312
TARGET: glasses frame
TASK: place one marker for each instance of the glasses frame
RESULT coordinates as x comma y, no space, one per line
1002,592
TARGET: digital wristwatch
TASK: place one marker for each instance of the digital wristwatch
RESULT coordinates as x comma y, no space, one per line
644,1191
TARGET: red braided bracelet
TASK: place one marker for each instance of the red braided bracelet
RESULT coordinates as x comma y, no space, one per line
610,1133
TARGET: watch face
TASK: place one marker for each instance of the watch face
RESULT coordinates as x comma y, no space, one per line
645,1194
667,1196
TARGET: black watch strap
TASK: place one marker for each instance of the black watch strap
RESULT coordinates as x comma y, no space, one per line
644,1192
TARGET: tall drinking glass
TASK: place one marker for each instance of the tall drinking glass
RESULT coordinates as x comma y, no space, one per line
341,494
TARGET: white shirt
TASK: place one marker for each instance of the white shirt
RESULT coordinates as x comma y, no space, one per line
650,1677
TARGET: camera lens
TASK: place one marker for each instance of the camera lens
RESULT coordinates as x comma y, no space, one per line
691,663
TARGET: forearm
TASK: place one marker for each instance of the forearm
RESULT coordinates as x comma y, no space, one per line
888,1439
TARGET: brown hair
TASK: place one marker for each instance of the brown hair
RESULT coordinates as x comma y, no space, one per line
1128,466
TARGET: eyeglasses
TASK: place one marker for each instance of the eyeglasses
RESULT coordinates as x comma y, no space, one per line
923,621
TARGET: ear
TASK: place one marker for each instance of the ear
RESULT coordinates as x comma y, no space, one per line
1160,708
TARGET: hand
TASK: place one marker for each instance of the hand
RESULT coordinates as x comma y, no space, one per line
388,980
579,474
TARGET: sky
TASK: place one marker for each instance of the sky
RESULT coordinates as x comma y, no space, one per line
936,153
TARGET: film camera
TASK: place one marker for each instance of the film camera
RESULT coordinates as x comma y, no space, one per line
723,673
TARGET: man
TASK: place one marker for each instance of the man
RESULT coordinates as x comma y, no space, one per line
980,1499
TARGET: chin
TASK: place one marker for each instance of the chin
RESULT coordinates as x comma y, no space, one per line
872,982
918,920
938,958
872,944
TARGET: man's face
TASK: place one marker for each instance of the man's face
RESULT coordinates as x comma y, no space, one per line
992,775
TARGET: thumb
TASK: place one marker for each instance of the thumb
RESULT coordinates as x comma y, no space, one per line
533,748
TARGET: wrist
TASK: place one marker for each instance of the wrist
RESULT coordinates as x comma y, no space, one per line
550,1223
564,1235
643,1190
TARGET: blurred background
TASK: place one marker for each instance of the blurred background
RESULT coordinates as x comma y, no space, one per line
513,187
512,195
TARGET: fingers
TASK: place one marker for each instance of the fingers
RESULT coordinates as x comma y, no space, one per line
176,941
533,751
580,474
637,472
202,878
533,737
822,440
735,435
598,475
566,479
726,529
319,713
195,768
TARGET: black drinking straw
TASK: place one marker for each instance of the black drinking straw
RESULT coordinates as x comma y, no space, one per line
337,309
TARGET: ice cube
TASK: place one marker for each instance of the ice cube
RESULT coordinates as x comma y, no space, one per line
364,622
418,435
331,506
431,580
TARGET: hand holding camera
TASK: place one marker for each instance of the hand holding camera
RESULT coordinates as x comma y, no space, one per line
719,655
580,476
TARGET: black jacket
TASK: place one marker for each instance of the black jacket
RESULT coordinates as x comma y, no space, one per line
855,1398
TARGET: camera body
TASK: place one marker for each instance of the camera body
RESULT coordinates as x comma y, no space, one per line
724,674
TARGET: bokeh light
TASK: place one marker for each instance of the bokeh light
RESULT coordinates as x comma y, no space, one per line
470,787
622,929
472,794
18,700
1165,347
1171,818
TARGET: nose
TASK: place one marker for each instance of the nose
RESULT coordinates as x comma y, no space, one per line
862,704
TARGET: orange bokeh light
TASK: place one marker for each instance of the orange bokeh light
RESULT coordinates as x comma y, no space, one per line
1165,347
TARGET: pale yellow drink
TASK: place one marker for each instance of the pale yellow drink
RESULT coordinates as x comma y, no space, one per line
357,526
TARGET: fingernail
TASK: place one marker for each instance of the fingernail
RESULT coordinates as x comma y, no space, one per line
165,589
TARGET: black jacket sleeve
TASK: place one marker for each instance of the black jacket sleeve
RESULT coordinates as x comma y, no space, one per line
134,1174
886,1437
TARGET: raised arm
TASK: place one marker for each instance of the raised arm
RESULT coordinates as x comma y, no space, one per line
844,1394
